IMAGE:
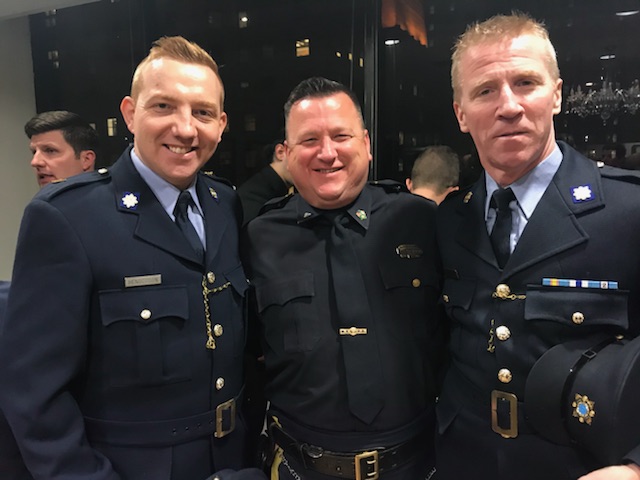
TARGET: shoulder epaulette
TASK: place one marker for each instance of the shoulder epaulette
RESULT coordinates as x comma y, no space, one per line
56,188
390,186
275,203
631,176
223,180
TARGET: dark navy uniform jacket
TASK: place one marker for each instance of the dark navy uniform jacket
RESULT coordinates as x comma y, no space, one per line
585,227
11,464
288,265
105,374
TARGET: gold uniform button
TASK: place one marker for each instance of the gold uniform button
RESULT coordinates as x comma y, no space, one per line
445,298
504,375
217,330
211,277
145,314
219,383
416,282
502,291
503,333
577,318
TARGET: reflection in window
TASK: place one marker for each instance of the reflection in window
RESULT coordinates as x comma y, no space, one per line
112,127
250,122
302,48
243,20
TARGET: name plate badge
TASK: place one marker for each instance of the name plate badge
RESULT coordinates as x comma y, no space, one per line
142,281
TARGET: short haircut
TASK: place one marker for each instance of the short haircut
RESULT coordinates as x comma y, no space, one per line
495,29
179,49
317,87
75,130
436,167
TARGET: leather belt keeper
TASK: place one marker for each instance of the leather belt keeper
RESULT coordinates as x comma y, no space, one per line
218,422
367,465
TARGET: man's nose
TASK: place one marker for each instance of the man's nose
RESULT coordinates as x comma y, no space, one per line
37,159
510,104
183,125
327,149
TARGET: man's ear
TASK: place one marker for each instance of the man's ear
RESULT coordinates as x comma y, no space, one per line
88,160
128,108
462,122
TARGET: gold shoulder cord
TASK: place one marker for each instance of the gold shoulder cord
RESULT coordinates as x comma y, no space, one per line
211,343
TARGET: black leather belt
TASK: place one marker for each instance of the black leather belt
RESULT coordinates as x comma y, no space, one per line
368,465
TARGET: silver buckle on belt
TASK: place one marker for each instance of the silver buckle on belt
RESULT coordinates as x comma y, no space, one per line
371,470
228,406
512,431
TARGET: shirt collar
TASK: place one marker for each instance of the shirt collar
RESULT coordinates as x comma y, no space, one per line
529,189
166,193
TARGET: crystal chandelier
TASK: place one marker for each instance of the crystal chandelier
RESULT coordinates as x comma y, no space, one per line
604,102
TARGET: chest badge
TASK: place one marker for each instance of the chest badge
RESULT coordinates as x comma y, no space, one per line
409,251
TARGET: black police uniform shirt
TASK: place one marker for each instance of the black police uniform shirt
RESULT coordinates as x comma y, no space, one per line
111,378
286,255
585,227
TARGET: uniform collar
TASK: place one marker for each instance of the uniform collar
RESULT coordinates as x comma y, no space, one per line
359,210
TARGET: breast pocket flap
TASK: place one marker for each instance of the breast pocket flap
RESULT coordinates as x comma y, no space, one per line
144,304
281,291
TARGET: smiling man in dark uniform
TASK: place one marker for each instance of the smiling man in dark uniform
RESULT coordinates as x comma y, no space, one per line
346,286
541,251
122,348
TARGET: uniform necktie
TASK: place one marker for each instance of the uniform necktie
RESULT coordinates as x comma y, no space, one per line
184,224
357,334
501,233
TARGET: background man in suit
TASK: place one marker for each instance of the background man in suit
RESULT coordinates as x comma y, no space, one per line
63,144
121,351
557,217
435,173
346,286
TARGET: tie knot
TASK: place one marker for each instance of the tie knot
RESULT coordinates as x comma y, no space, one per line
184,200
501,198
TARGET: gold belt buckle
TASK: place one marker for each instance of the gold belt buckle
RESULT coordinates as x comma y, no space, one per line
371,470
512,431
228,406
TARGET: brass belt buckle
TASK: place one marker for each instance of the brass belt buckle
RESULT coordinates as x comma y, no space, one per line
371,469
512,431
228,406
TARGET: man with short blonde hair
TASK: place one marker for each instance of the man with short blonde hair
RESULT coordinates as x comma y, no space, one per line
138,370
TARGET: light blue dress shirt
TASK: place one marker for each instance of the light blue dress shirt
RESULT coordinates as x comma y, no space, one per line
528,191
167,195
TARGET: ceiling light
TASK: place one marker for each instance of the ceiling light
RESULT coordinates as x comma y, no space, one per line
627,13
391,42
610,56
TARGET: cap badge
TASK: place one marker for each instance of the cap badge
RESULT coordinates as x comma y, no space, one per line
583,409
582,193
361,214
130,200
